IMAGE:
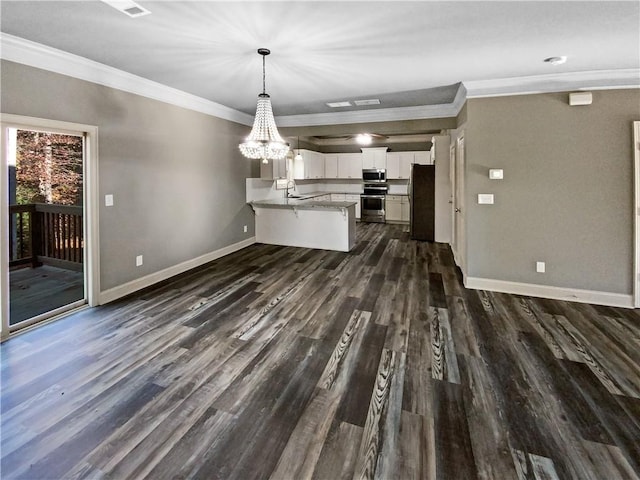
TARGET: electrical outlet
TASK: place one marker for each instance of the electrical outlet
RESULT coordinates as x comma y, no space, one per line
245,229
108,200
138,260
540,267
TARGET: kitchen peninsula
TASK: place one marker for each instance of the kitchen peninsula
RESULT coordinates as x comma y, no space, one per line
306,222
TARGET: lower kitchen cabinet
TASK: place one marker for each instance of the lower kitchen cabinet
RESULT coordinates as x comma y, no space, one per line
405,214
397,209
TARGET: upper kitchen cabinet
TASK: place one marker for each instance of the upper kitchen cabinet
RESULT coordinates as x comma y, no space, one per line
422,158
331,165
273,169
374,157
350,165
310,167
399,163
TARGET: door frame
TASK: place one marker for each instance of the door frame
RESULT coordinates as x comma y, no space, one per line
636,214
452,200
90,205
459,249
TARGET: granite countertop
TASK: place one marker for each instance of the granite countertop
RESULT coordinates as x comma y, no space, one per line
301,203
319,194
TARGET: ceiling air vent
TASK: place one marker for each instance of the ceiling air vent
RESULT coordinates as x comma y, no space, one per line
338,104
129,8
363,103
134,11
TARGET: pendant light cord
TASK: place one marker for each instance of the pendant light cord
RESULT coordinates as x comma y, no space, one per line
264,89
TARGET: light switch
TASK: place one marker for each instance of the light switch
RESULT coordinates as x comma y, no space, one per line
485,198
108,200
540,267
496,174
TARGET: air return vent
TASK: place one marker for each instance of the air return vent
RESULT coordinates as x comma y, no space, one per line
129,8
134,11
371,101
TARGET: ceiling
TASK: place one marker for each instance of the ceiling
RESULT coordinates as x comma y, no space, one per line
405,54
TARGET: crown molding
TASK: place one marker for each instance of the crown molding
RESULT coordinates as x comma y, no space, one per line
26,52
391,139
445,110
36,55
559,82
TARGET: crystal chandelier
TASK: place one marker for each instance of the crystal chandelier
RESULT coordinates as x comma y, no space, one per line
264,141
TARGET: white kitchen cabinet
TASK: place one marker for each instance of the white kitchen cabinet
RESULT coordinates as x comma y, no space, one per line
273,169
317,165
422,158
374,157
405,210
393,208
331,165
393,165
353,198
399,165
350,165
405,165
397,209
310,167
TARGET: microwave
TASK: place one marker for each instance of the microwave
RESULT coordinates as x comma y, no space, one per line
374,175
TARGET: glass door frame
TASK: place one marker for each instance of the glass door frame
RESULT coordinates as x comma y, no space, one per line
90,203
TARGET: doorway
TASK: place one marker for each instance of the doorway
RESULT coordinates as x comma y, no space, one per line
49,227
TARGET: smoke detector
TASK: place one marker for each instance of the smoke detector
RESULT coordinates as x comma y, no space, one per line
556,60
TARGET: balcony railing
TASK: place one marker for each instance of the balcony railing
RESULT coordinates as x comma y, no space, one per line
41,233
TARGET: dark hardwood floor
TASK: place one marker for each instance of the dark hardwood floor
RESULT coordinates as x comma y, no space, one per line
290,363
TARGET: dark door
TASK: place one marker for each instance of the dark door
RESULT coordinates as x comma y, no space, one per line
423,183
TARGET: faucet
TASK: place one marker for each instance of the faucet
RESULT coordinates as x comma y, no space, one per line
290,184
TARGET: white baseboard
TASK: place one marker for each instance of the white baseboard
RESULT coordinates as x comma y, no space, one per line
153,278
555,293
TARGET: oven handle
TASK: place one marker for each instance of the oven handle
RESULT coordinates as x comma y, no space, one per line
373,196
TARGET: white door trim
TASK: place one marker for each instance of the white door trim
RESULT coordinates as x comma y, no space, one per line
91,204
636,215
4,236
452,198
461,240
